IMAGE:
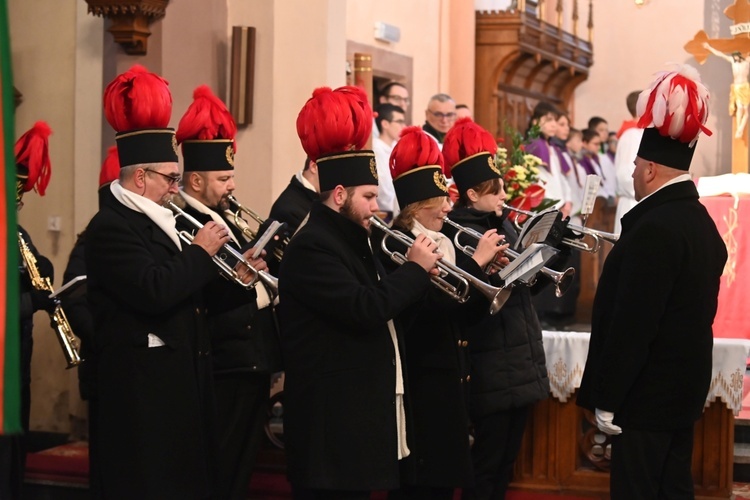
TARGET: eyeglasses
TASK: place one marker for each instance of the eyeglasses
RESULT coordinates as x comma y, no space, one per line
171,179
397,98
442,116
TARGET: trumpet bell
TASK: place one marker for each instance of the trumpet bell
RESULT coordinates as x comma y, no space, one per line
498,301
563,281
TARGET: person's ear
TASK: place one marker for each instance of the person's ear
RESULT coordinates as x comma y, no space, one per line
472,195
139,177
339,195
194,181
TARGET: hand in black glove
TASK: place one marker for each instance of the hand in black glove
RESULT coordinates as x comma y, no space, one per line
40,301
557,231
45,267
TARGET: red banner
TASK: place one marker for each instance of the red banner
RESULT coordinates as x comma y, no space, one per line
732,217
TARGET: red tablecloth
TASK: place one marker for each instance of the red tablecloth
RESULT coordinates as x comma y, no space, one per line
732,217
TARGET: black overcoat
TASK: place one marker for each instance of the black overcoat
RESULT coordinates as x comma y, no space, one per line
293,204
339,413
649,358
156,404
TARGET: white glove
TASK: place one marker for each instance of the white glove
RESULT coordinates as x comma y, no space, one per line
604,422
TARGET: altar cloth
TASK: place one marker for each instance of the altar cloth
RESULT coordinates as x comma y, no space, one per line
566,358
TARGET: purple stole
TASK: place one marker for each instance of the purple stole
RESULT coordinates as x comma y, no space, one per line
591,165
565,166
539,147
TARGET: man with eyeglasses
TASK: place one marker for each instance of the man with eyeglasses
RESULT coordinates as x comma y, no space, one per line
393,93
440,116
149,297
390,121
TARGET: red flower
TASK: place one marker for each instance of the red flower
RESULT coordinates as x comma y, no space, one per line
528,200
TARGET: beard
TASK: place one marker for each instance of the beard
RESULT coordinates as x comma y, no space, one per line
347,210
223,204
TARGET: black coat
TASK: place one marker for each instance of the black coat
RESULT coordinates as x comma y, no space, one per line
339,413
293,204
437,361
156,404
78,312
28,306
243,339
649,359
508,366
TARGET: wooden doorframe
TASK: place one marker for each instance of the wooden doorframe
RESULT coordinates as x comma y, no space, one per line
385,64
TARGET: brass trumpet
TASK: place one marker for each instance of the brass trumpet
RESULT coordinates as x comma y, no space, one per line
496,295
596,235
237,210
68,341
561,279
227,270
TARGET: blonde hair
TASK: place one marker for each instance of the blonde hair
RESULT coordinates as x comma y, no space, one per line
405,218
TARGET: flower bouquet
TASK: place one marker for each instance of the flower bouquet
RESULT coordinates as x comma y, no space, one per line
520,172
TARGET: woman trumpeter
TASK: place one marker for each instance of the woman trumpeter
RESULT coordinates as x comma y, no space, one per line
508,370
436,348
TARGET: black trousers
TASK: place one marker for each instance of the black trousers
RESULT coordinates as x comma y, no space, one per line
497,441
652,465
242,403
13,448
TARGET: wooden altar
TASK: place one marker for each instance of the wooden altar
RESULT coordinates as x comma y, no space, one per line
562,452
550,460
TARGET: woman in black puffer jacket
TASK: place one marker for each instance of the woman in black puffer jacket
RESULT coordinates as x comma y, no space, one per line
508,370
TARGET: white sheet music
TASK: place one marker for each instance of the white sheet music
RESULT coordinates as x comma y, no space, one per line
536,232
528,263
267,235
590,190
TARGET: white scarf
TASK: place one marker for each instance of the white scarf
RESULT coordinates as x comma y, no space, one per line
162,217
304,181
263,298
203,209
445,245
403,448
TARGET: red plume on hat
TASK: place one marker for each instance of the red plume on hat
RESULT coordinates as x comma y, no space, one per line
32,152
137,99
465,139
676,104
414,149
334,121
110,167
206,118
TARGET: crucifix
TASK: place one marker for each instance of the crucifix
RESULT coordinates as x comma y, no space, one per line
736,51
